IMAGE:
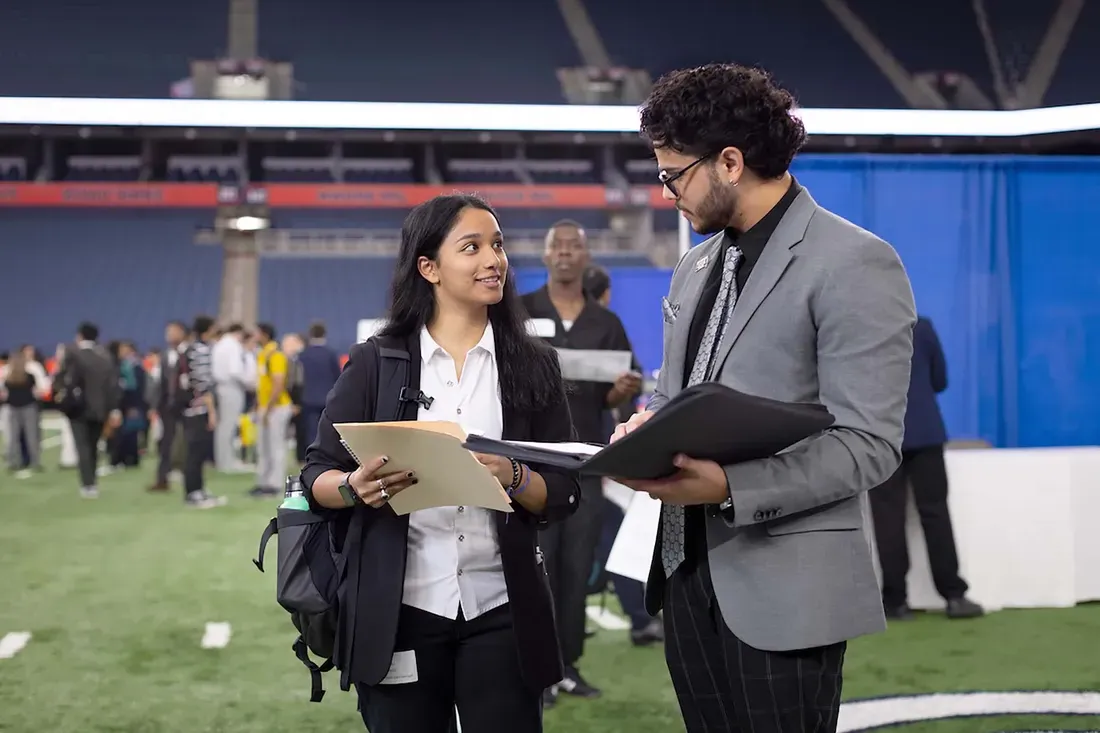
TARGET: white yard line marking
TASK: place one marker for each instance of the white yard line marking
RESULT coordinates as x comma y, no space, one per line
606,619
217,635
13,643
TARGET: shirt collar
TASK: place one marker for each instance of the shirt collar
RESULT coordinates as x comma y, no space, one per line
429,348
753,241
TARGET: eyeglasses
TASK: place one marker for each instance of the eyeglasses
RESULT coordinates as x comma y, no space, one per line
669,179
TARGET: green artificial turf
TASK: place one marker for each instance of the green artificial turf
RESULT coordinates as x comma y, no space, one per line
117,591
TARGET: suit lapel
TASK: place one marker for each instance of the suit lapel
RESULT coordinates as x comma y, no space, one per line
769,269
688,301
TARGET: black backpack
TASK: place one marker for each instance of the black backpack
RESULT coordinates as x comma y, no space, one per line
68,386
311,561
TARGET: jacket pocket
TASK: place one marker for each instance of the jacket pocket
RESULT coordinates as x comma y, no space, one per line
834,520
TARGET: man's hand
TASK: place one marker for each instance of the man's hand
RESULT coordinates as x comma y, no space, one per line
626,386
697,482
630,425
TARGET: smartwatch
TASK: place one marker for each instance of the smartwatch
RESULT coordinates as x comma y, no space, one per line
350,496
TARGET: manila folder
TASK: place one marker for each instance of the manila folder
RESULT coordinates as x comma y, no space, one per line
448,474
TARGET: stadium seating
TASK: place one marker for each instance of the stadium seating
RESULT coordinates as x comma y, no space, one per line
391,219
484,51
124,48
13,169
204,169
130,271
479,51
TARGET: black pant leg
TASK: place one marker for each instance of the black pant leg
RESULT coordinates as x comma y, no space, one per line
928,476
169,423
780,692
489,686
580,535
197,435
723,684
426,705
86,434
693,653
888,504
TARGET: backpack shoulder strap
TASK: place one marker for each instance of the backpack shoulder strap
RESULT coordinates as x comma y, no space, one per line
393,378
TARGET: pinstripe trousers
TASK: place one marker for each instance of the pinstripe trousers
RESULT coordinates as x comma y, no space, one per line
724,685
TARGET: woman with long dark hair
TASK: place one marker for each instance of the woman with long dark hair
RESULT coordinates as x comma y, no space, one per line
451,605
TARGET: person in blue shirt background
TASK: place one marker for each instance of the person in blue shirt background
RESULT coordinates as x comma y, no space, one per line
321,366
923,468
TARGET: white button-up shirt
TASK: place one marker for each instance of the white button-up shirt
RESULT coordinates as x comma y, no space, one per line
453,552
227,360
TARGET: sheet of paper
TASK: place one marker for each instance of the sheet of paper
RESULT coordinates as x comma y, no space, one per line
632,553
617,494
591,365
449,474
583,449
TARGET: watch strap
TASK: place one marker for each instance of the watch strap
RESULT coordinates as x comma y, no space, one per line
351,496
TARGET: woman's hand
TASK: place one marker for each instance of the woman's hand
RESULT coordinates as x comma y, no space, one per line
499,466
375,486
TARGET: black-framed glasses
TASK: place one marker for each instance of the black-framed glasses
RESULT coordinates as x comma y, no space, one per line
668,180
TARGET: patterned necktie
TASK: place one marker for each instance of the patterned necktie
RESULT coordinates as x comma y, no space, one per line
672,516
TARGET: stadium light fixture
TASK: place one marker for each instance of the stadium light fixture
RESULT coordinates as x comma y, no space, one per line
291,115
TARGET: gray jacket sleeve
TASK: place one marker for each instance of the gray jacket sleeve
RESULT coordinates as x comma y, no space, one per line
864,313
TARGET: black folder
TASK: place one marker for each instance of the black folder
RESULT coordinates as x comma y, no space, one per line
708,421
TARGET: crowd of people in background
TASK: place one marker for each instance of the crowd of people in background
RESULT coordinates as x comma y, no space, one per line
211,395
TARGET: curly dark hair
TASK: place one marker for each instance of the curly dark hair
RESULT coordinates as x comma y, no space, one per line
700,111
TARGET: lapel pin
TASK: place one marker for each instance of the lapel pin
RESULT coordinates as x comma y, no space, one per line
702,262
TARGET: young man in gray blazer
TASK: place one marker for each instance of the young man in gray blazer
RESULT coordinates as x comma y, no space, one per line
763,569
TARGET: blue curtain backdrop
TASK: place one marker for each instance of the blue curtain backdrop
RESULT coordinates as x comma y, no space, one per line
1003,256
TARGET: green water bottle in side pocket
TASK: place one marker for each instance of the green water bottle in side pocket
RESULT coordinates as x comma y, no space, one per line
295,497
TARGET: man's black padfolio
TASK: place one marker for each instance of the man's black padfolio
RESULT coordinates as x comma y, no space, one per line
708,421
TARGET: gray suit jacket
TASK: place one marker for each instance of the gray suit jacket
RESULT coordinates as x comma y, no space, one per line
826,316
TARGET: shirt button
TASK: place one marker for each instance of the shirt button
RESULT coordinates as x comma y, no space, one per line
450,384
461,537
461,509
458,411
460,571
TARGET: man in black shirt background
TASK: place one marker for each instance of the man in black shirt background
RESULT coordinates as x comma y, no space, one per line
568,319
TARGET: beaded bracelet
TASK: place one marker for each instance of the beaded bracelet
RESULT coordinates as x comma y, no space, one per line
526,480
516,475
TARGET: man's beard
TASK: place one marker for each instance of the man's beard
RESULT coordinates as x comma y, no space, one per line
716,210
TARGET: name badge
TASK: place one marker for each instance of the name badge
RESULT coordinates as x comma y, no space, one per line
544,328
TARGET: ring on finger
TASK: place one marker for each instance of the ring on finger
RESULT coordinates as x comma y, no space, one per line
385,495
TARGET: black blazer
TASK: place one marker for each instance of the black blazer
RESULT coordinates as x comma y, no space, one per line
378,537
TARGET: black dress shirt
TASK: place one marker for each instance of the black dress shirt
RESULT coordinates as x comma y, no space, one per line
751,244
597,329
